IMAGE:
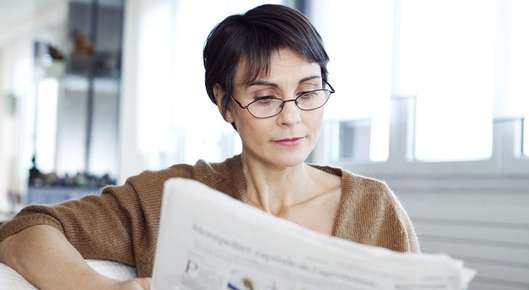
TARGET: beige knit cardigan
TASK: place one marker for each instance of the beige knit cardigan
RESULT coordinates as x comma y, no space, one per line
121,224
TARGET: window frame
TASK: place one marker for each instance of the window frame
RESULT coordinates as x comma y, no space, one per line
507,170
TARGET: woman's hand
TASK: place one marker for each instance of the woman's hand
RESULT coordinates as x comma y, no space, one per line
134,284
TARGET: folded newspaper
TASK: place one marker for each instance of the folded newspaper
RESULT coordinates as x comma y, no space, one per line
209,240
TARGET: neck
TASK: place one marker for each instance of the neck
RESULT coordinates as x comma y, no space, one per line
273,188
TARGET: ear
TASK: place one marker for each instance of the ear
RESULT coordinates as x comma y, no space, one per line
219,96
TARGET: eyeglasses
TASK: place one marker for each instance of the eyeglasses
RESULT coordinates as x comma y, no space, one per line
269,106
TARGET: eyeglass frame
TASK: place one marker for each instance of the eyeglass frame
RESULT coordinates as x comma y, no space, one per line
295,100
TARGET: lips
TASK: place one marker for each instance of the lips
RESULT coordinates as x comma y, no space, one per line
289,141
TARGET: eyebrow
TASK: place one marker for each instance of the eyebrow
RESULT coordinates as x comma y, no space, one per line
267,83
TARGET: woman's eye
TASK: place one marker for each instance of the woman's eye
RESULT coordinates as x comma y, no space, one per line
308,95
264,100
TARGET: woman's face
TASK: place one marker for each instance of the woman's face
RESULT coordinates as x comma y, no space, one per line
287,138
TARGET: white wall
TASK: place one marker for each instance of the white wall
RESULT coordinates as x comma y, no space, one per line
20,23
488,230
3,149
16,80
130,159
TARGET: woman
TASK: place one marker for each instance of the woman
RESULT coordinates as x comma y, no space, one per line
266,72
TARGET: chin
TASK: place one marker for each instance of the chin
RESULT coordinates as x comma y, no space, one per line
280,157
289,159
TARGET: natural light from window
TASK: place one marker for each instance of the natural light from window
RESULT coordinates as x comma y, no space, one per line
518,89
447,57
400,49
358,37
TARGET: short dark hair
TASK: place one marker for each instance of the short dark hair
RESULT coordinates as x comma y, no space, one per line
253,37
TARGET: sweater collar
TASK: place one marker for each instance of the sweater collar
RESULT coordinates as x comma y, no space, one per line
240,186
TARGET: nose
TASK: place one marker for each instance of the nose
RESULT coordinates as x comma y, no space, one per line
290,114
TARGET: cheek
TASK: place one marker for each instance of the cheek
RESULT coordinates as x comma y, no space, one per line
252,130
314,120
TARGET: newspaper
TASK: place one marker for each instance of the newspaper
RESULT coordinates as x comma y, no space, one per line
209,240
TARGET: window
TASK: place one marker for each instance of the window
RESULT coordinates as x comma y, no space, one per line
446,60
360,71
517,92
465,63
456,70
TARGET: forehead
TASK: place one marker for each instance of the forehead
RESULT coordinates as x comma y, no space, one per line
283,65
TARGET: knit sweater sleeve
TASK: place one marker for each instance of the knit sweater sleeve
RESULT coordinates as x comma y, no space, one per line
120,224
98,226
371,214
398,225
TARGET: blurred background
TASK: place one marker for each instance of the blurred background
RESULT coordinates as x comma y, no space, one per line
432,97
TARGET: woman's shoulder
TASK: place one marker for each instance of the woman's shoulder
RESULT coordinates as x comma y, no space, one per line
357,183
370,186
156,178
202,171
376,191
368,192
371,201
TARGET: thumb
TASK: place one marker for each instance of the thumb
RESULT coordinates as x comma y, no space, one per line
136,284
145,283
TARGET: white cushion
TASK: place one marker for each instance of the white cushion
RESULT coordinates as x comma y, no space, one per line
11,280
